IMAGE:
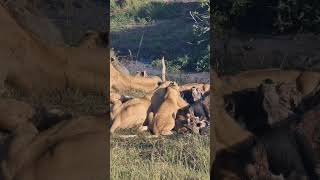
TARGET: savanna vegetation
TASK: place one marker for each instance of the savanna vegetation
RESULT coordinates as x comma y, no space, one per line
176,157
148,30
252,34
143,31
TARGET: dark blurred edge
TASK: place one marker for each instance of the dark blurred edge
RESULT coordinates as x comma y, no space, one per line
108,89
212,137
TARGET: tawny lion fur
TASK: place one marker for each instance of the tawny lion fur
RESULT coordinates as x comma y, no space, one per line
204,87
164,119
135,111
123,82
34,68
34,155
14,113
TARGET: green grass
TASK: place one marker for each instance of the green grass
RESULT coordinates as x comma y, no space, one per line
140,12
175,157
69,101
133,93
167,28
142,158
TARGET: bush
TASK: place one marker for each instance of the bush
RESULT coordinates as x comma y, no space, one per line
267,16
159,10
201,30
203,64
173,66
141,11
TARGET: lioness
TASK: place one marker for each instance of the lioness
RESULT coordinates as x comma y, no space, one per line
116,100
306,81
14,113
164,119
122,82
32,67
60,152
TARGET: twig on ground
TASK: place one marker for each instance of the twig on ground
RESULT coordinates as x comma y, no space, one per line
140,46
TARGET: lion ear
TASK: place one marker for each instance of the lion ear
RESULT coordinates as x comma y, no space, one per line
181,102
174,115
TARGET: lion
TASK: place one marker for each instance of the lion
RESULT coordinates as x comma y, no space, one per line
32,67
123,82
131,115
14,113
116,100
306,81
135,111
164,119
33,155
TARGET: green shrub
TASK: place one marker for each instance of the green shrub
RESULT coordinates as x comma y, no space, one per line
173,66
267,16
201,29
159,10
140,11
203,63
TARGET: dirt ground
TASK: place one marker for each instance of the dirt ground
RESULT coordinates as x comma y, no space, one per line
245,52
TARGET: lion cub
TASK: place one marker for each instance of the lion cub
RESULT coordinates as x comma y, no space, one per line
164,120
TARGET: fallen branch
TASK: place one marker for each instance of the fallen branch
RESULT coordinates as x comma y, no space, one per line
163,70
140,46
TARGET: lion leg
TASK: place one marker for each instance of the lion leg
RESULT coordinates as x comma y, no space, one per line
143,128
115,125
116,105
166,133
115,109
150,120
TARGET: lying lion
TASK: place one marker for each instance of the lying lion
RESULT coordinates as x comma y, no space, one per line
34,68
38,148
123,82
164,119
69,150
135,111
